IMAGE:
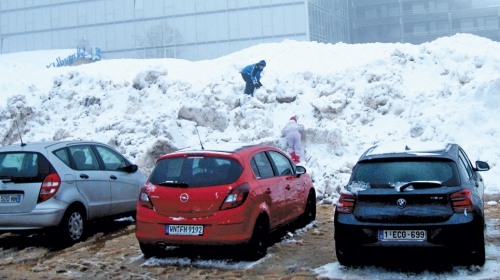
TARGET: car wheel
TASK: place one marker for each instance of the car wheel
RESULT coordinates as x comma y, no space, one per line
72,226
479,256
148,250
257,246
309,214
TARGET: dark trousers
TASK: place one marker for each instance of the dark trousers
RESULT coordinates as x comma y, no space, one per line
249,88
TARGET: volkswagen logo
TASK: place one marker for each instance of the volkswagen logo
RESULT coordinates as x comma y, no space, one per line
184,197
401,203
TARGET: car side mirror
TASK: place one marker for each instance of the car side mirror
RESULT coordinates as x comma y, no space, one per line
482,166
300,170
131,168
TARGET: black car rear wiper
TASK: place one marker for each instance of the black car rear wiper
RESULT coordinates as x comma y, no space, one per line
174,184
419,185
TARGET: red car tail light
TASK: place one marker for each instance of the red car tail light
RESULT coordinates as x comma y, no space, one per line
236,197
144,200
50,185
346,203
461,201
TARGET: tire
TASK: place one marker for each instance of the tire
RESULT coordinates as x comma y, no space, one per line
257,246
148,250
72,227
309,214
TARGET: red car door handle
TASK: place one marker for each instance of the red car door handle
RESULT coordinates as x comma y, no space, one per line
268,191
287,187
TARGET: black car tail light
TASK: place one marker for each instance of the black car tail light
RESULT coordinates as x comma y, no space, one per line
461,201
50,186
346,203
144,200
236,197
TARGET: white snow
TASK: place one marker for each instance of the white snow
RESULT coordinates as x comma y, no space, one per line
349,97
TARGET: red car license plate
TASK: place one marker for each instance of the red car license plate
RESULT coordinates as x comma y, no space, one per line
183,230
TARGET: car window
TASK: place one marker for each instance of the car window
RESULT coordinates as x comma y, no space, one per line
195,171
282,163
465,161
83,158
24,166
263,168
62,154
111,159
390,173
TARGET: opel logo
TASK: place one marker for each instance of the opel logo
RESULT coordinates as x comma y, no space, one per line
401,203
184,197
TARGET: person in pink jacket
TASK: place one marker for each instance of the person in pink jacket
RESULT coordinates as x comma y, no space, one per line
292,133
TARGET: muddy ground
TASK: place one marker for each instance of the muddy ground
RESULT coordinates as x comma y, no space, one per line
112,252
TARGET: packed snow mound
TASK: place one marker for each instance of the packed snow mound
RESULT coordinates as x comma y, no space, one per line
348,97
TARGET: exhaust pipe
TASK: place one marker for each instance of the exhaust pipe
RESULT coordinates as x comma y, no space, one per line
161,246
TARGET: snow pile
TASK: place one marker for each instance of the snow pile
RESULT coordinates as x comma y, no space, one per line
349,97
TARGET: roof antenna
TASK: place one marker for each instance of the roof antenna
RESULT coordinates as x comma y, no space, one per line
22,144
199,138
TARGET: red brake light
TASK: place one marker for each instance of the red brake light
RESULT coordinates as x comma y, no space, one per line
144,200
461,201
50,185
346,203
236,197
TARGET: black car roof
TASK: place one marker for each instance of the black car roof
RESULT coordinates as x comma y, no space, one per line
402,149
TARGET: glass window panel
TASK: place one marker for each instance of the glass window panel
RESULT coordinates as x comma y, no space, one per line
148,9
189,33
419,28
467,24
211,24
480,23
278,23
383,11
63,40
4,24
233,28
128,9
90,12
72,38
119,10
38,41
255,24
232,4
370,12
199,6
394,31
178,7
442,5
139,34
221,4
110,11
418,8
244,25
46,40
201,28
110,38
393,11
100,33
127,40
189,6
289,19
21,43
30,42
188,52
267,22
210,5
432,6
44,18
158,8
100,12
491,22
12,22
82,14
21,21
54,40
211,51
234,47
72,15
222,27
443,26
243,4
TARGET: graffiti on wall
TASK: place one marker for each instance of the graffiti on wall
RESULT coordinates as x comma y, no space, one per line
90,54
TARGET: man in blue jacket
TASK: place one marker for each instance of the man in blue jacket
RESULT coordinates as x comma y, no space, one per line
251,75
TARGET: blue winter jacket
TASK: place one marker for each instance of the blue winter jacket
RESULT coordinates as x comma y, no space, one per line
253,70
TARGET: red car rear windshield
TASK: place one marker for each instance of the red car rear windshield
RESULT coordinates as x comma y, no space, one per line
192,172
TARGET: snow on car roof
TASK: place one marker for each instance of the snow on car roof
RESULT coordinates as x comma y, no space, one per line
407,147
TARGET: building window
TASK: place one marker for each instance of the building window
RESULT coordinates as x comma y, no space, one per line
491,23
467,24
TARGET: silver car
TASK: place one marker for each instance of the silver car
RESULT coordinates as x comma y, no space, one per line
64,184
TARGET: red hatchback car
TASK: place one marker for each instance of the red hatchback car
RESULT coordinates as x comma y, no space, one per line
228,195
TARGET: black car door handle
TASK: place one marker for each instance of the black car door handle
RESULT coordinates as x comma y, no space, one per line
113,177
84,176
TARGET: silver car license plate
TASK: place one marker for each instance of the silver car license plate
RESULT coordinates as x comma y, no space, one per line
10,198
402,235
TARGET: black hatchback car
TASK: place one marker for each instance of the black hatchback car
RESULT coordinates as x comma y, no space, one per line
400,198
